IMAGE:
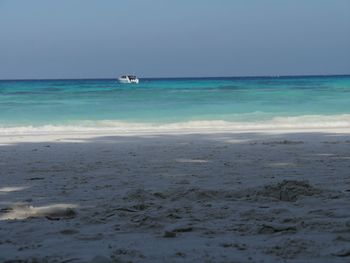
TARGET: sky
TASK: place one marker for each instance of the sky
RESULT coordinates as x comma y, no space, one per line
42,39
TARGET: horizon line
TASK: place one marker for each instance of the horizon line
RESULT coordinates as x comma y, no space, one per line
202,77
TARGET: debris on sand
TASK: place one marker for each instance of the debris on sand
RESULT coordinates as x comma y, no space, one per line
169,234
343,253
284,142
291,249
289,190
271,229
179,228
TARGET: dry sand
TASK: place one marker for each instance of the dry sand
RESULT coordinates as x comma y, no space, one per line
230,197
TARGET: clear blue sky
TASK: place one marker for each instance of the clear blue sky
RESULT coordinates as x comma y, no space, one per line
160,38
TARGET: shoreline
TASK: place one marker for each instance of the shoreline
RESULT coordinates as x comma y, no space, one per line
52,136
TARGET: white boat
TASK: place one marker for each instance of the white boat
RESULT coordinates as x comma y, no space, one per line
127,79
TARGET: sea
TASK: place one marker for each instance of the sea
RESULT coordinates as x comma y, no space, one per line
232,103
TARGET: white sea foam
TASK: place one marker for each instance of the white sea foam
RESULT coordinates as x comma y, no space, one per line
277,123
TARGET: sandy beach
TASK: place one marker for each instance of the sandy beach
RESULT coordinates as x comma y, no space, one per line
193,197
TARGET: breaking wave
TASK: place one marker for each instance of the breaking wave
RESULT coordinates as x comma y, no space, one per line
276,123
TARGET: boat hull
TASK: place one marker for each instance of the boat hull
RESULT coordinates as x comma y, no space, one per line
128,81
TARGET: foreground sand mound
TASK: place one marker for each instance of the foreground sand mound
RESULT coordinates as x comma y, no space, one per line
289,190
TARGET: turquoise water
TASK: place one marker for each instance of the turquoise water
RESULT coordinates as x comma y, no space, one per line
106,103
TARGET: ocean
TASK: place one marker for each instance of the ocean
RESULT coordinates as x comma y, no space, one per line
237,103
